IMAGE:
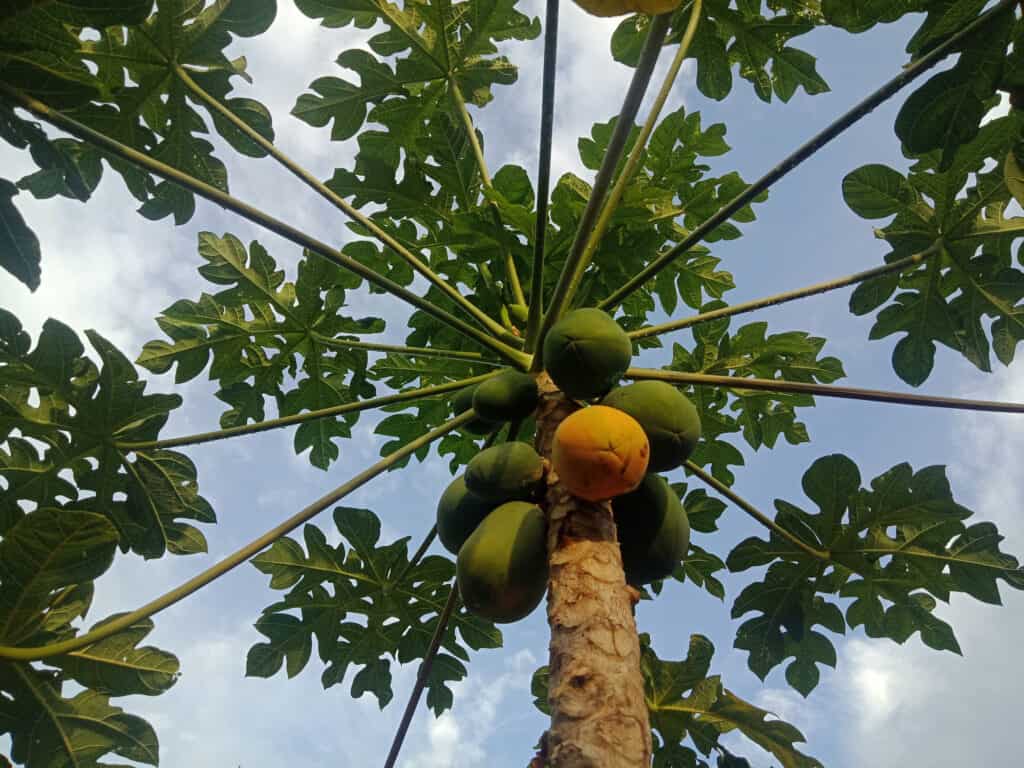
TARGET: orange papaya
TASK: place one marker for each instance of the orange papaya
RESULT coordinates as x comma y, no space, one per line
600,452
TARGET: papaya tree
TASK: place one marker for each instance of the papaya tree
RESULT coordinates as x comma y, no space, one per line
523,307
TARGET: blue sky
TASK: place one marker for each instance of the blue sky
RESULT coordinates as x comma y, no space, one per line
885,705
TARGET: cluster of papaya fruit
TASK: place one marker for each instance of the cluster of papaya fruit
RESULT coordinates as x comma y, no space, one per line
614,448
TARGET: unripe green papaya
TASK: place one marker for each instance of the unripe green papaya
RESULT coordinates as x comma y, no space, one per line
506,472
669,419
462,402
510,396
654,532
502,569
586,353
459,512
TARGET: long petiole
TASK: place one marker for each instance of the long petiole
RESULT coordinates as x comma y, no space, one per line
478,153
755,513
343,205
299,418
825,390
372,346
636,154
616,146
782,298
547,121
905,77
256,216
254,547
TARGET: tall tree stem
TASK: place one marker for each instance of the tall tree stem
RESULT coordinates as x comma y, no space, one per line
906,76
300,418
782,298
547,122
824,390
342,205
478,152
260,218
254,547
616,146
637,153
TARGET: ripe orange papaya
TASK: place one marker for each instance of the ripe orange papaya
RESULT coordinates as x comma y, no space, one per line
622,7
600,452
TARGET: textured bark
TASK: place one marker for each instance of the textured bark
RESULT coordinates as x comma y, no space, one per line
596,693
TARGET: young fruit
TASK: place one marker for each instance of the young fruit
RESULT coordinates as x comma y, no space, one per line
654,532
668,418
459,512
600,452
463,401
586,353
506,472
622,7
509,396
502,569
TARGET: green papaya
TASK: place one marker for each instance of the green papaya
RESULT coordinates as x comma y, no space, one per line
586,353
669,419
459,512
506,472
463,401
502,569
510,396
653,530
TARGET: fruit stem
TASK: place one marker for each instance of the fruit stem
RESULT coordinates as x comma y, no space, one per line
547,121
299,418
254,547
782,298
825,390
755,513
907,75
616,146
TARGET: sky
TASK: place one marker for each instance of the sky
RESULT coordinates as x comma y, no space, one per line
885,705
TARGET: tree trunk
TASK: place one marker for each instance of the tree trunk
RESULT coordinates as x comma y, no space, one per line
596,691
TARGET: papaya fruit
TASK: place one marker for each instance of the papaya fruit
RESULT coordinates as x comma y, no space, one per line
459,512
510,396
622,7
462,402
507,472
586,353
600,452
654,532
502,569
669,419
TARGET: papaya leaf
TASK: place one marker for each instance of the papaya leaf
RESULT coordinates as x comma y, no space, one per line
19,246
46,550
291,350
71,451
968,296
894,548
742,36
48,729
118,667
366,607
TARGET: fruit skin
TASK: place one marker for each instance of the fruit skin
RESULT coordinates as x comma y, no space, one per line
463,401
510,396
586,353
459,512
654,531
506,472
621,7
667,416
600,452
502,569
